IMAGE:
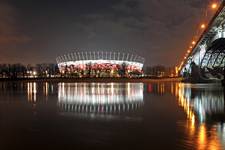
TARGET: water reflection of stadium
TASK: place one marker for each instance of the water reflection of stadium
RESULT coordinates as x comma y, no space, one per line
100,97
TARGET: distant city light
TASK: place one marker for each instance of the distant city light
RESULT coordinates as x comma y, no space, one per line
34,73
193,42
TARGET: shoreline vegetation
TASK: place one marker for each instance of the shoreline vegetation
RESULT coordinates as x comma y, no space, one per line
67,79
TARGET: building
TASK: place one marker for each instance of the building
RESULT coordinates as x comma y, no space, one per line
100,64
159,71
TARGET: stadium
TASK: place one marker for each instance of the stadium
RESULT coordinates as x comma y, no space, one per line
100,64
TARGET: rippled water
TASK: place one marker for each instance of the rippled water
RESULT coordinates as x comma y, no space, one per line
170,115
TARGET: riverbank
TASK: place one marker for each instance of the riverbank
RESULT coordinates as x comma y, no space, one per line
92,80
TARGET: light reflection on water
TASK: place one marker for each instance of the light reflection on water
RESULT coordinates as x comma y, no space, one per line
34,88
202,107
100,97
31,91
205,102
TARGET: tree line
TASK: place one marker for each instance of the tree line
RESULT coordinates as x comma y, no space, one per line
27,71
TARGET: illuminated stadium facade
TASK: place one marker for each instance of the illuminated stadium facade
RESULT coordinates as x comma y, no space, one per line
100,64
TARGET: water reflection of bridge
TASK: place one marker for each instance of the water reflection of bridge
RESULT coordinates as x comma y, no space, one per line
100,97
204,107
205,101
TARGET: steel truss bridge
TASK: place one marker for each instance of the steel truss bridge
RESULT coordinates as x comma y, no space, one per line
207,58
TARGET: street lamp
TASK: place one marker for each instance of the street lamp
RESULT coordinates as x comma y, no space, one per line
214,5
202,26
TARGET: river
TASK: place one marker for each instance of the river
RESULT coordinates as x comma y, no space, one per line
159,115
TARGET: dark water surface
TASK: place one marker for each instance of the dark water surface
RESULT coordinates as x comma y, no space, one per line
170,115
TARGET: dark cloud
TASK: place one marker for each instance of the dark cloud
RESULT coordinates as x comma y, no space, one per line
9,33
159,30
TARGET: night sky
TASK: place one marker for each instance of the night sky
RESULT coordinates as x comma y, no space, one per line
37,31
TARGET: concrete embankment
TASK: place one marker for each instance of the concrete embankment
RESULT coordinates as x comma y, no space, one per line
93,80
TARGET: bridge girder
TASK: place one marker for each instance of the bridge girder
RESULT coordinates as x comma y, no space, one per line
209,51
